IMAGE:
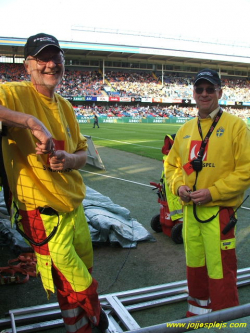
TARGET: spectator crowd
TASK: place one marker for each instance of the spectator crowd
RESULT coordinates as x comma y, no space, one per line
149,111
77,82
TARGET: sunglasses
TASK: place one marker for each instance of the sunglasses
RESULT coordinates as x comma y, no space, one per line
57,59
209,90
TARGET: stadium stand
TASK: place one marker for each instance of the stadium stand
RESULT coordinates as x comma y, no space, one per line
78,82
12,72
89,82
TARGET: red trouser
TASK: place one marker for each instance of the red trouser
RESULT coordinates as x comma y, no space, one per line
211,261
65,261
76,307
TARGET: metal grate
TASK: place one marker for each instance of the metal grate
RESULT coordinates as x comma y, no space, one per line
118,307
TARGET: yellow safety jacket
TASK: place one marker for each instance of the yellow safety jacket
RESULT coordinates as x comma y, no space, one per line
33,184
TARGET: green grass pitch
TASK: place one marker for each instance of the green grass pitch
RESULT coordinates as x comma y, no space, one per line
138,138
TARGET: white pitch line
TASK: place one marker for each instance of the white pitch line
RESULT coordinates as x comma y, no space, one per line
124,180
127,143
245,208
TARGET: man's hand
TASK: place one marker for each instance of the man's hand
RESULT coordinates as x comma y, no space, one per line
184,193
45,142
201,197
61,160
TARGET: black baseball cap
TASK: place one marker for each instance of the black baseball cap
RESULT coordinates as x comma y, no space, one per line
38,42
209,75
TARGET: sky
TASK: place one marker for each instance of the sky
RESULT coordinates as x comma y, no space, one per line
221,20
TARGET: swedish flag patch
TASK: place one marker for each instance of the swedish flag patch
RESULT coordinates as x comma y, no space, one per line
220,131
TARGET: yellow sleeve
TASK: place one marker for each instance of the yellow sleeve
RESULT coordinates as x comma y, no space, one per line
82,144
173,168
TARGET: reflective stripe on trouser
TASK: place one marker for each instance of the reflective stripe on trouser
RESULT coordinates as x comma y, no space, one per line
211,260
68,300
69,255
75,320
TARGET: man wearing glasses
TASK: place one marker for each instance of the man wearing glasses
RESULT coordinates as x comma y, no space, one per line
208,167
42,152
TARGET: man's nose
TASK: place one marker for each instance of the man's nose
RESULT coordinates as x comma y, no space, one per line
204,92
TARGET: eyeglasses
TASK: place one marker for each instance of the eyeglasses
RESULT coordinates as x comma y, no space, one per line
57,59
209,90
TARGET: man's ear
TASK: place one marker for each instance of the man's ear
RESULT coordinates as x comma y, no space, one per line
220,93
193,94
26,66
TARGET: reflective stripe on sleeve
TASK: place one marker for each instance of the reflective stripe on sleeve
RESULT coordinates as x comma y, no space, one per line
177,211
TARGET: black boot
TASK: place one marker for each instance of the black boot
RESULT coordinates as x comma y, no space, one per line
103,323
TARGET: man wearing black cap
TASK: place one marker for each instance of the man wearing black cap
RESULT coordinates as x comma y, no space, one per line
42,151
208,167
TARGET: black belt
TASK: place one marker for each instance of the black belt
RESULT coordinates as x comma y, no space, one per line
43,210
47,211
